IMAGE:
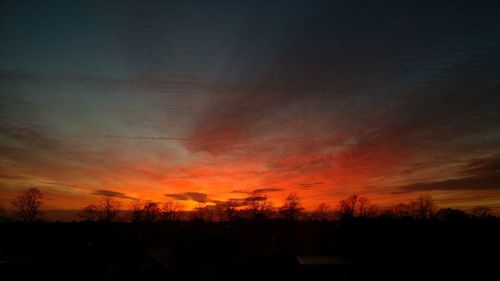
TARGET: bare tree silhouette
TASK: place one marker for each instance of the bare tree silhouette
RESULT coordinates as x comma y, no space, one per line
254,201
258,204
202,213
401,210
423,208
450,214
109,208
322,212
356,206
230,209
220,215
136,211
481,212
291,209
28,205
151,211
3,214
171,211
347,207
90,213
365,209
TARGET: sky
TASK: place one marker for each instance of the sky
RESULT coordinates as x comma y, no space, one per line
203,101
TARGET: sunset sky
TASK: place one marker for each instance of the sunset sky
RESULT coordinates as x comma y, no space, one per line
204,101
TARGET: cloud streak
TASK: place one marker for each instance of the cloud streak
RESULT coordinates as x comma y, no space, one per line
268,189
110,193
477,183
480,174
195,196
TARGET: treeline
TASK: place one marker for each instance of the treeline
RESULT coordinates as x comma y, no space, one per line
256,206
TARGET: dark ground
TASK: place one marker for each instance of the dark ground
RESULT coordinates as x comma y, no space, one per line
249,250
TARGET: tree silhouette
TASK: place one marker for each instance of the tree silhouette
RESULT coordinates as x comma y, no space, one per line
356,206
291,209
219,212
109,209
254,201
202,213
401,210
171,211
423,208
322,212
3,214
258,205
363,207
90,213
28,204
136,212
230,209
449,214
481,212
347,206
151,211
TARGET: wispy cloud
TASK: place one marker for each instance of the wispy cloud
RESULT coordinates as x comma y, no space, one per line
268,189
142,138
110,193
490,164
195,196
480,174
307,185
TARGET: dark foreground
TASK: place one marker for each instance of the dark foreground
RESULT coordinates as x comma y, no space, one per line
252,250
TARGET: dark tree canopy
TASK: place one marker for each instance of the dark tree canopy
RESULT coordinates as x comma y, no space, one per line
291,209
258,204
109,209
28,205
90,213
